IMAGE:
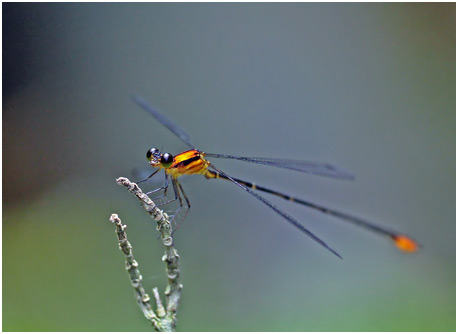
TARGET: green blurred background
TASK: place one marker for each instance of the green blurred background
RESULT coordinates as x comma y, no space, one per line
369,87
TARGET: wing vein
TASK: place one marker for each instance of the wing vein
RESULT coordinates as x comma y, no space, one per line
316,168
290,219
178,131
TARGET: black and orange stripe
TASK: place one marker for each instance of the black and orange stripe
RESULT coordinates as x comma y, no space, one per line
402,242
194,161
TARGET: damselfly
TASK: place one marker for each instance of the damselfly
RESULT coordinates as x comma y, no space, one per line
194,161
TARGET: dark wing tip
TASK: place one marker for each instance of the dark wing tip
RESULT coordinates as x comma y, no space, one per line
337,254
341,173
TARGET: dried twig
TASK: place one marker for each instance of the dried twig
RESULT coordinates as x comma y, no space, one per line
164,319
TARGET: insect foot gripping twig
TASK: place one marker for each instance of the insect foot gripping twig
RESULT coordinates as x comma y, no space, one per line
164,319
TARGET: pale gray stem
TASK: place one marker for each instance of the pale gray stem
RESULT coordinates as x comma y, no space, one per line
164,320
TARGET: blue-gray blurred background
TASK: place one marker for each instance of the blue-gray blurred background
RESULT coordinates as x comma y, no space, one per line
368,87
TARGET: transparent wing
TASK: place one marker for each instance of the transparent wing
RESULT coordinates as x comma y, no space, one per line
316,168
179,132
290,219
401,241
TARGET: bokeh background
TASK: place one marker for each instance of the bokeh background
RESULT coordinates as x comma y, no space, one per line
369,87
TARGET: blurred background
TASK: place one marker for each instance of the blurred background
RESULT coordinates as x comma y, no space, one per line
368,87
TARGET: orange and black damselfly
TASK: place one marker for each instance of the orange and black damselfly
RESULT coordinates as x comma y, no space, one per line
194,161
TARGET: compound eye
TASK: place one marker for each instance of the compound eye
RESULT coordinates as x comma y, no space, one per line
166,160
152,153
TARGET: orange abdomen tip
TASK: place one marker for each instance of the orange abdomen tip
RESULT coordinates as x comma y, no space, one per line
405,243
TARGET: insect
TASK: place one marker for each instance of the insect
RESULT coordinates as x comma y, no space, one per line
194,161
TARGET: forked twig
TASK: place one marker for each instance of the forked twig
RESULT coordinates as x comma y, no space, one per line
164,319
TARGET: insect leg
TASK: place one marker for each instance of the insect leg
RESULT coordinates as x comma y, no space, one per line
154,173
